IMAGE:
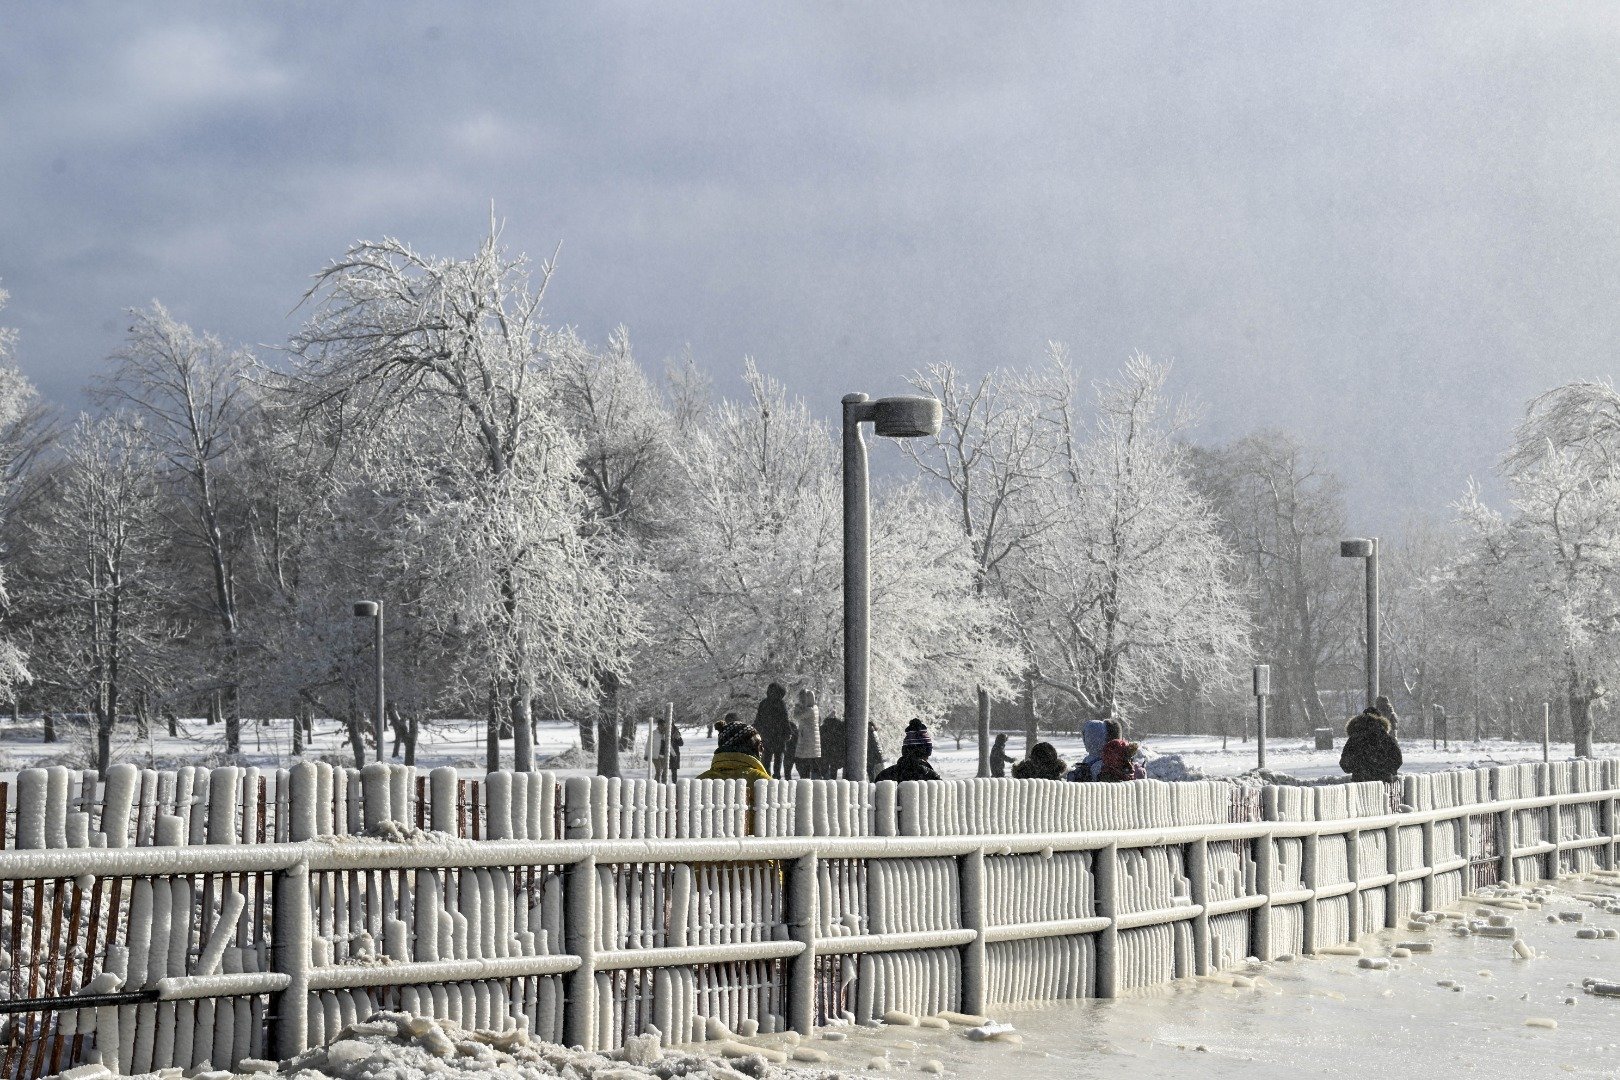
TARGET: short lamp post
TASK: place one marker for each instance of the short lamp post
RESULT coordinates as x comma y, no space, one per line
1262,690
894,418
1368,549
372,609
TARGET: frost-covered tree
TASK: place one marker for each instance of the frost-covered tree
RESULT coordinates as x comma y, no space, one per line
97,549
750,586
1130,590
1281,513
190,394
995,455
461,346
24,427
1550,567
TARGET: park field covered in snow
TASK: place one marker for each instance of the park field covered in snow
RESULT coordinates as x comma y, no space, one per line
461,744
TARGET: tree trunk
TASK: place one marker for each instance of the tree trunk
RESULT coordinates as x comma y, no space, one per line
412,730
492,732
984,732
522,730
1031,734
298,731
48,727
607,725
587,734
103,743
357,737
1580,723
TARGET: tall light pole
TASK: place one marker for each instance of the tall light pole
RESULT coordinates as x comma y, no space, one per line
894,418
372,609
1368,549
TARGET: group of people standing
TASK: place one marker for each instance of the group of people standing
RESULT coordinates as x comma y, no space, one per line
1110,758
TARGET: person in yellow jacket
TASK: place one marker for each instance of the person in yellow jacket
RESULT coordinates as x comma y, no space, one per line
740,755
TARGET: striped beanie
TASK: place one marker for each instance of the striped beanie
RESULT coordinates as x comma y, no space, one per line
917,737
738,739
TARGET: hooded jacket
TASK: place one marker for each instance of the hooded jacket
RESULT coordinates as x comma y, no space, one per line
1093,733
910,767
1370,751
730,765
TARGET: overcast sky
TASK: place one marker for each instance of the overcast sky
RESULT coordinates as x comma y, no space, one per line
1384,227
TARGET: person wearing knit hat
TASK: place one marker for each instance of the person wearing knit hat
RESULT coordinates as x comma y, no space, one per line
739,755
915,750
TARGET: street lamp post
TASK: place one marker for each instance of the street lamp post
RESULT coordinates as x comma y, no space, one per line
1368,549
895,418
372,609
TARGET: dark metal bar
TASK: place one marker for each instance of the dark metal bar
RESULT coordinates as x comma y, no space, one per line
80,1001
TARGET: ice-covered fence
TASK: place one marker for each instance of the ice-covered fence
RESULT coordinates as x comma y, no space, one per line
590,909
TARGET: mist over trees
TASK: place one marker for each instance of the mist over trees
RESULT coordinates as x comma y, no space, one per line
557,531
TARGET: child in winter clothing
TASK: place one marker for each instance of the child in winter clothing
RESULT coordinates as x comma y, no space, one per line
1370,752
1119,762
914,754
1042,764
739,755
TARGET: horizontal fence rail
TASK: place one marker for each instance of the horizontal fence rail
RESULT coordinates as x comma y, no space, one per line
150,920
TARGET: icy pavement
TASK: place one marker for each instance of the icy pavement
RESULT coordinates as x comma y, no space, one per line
1511,1005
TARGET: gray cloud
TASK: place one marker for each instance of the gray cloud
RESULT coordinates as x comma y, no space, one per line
1384,227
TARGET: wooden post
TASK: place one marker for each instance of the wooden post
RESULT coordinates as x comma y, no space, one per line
1428,861
803,920
1392,853
1105,877
970,883
1508,874
1352,860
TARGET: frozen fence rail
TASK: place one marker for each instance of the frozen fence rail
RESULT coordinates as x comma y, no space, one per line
216,915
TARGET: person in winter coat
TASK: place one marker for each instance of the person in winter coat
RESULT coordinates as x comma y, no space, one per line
874,752
738,756
999,758
807,748
676,741
1119,762
1387,711
1093,733
833,751
1042,764
1370,751
914,755
771,721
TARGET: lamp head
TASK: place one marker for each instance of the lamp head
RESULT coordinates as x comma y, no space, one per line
907,417
1355,549
365,609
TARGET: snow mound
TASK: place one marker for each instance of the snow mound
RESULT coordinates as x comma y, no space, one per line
572,758
397,1046
1172,767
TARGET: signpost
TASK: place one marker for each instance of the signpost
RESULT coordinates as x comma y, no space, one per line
1262,689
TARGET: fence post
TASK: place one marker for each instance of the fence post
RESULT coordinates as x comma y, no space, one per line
1428,861
579,934
1198,886
970,884
1503,823
1265,879
1392,856
1352,862
289,955
1308,874
1105,877
803,919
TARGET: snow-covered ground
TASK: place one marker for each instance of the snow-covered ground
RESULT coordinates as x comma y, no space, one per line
461,743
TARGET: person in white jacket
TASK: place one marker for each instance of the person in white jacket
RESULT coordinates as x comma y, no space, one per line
807,748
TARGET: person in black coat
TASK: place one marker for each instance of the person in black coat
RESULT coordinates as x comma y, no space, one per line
1043,763
874,752
914,755
833,751
1370,751
999,758
771,721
